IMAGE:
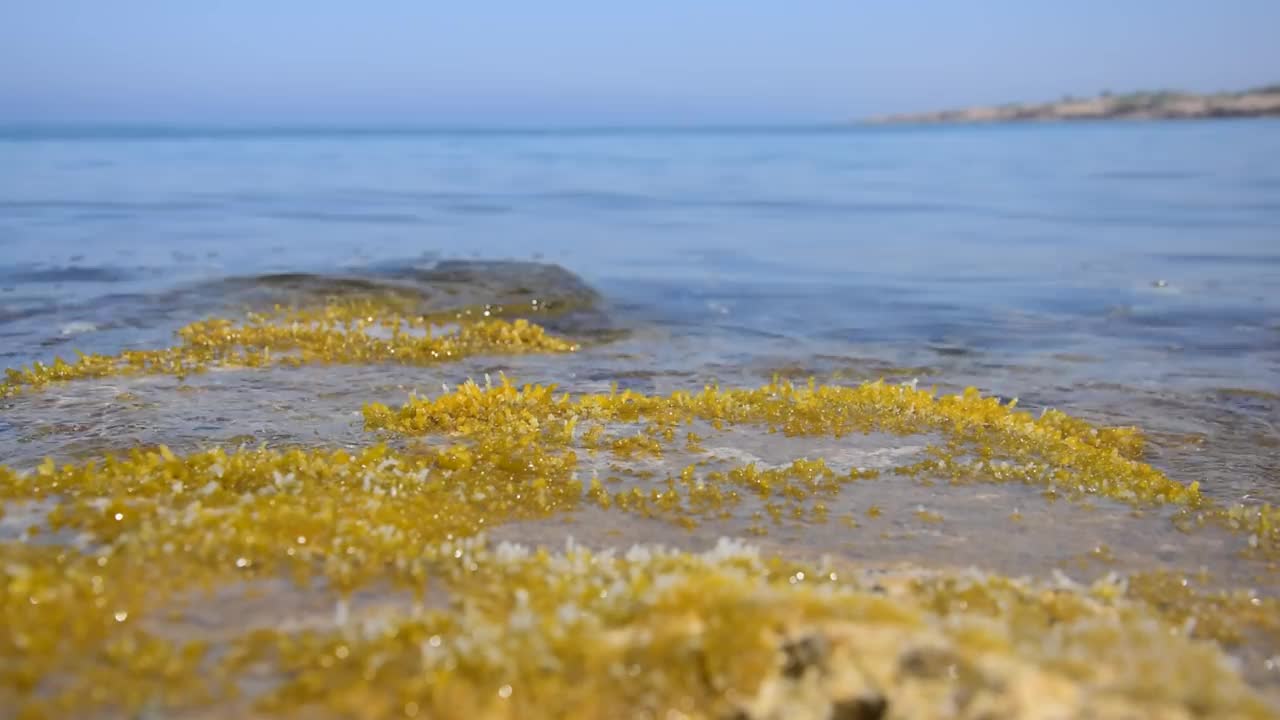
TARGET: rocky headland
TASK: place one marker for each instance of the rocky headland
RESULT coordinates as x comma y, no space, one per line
1160,105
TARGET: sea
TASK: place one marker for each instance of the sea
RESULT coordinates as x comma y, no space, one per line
1127,273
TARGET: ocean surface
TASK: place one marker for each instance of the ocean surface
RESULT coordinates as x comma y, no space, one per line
1127,273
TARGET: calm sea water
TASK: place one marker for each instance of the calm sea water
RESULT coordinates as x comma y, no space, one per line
1156,246
1128,273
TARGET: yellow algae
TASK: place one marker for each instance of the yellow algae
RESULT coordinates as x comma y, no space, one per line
672,624
583,634
1226,616
987,441
332,334
104,615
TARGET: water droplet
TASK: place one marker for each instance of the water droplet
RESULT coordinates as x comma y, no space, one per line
504,692
121,616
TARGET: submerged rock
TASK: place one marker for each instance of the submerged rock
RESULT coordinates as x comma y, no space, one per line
504,282
513,288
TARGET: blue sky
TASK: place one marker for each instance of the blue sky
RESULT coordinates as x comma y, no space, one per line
589,62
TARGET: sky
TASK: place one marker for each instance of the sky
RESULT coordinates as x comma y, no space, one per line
587,62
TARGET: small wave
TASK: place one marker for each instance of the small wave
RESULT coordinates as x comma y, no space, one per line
787,205
67,274
1148,175
350,217
953,350
77,327
1220,259
477,208
13,313
106,206
603,199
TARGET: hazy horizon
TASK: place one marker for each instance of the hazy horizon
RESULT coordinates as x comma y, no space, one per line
575,64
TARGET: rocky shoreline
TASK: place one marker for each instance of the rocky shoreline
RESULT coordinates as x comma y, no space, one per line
1163,105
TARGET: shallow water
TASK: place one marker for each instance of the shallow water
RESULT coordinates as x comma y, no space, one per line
1128,274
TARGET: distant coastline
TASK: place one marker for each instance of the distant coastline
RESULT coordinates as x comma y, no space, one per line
1259,102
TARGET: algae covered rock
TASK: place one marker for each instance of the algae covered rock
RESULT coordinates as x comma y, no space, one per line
512,287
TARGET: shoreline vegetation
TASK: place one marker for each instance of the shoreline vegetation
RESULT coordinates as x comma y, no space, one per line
1147,105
